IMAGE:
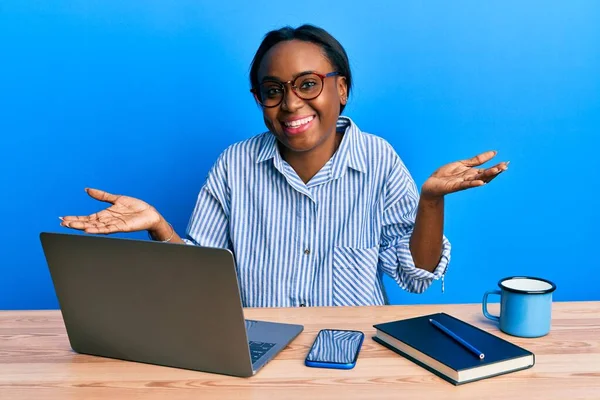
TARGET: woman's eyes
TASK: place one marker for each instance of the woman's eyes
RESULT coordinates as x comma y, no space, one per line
273,91
308,84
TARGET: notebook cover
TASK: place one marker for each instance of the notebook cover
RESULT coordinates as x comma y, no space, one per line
420,334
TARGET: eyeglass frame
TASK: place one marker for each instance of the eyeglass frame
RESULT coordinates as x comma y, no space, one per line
293,87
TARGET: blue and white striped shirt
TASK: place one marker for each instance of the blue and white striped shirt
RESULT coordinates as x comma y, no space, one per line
324,243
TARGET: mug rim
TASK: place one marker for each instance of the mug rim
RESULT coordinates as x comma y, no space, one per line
545,291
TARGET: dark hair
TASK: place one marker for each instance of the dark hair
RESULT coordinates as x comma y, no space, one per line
308,33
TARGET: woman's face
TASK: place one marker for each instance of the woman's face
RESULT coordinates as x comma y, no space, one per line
302,125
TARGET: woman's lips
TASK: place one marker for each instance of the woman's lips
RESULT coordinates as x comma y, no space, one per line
297,126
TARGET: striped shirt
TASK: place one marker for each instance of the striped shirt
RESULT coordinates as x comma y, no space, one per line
324,243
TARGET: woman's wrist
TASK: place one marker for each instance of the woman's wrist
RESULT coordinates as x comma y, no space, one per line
162,231
430,200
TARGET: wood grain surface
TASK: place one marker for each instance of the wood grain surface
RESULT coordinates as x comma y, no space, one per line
36,362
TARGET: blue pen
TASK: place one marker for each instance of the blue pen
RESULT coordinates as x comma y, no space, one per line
457,338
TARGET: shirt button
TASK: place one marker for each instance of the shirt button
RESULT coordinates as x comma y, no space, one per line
307,251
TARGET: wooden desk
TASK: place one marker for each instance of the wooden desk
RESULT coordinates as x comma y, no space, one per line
36,362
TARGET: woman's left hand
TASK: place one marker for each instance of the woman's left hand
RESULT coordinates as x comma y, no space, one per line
461,175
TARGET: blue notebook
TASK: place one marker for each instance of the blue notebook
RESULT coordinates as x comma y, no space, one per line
420,341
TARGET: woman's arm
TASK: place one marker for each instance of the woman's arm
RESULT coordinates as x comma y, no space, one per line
426,239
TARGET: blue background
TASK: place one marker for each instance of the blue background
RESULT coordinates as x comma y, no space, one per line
140,97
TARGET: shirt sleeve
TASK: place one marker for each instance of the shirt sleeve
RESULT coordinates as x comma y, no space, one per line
400,209
209,222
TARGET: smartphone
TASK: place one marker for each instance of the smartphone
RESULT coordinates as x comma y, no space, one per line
334,348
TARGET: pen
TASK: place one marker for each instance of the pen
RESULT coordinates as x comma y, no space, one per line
454,336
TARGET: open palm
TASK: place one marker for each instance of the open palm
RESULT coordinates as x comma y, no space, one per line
126,214
461,175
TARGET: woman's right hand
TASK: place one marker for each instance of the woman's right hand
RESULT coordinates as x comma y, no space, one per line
126,214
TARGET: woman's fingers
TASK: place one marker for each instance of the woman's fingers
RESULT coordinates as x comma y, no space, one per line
486,174
479,159
78,224
105,221
102,195
104,229
112,224
470,184
86,218
463,185
83,218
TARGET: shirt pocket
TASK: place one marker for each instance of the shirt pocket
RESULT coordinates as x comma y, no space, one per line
354,275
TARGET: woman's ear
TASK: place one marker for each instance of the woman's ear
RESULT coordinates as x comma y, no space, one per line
342,89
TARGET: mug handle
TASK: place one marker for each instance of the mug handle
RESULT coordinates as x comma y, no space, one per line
484,305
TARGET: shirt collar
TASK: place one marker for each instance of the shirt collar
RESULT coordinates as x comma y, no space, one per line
268,147
350,154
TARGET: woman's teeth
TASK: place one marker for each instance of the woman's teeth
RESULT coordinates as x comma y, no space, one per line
298,122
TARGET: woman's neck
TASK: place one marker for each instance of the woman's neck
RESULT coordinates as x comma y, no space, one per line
308,163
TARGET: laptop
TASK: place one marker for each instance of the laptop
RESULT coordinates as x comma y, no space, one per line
167,304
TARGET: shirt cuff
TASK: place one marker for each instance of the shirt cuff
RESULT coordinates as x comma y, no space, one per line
189,241
417,280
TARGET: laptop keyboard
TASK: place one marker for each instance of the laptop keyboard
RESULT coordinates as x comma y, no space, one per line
259,349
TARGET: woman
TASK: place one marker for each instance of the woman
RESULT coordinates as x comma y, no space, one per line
314,210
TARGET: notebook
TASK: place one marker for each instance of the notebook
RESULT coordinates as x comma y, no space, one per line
420,341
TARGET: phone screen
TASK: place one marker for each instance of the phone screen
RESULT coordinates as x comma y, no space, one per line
336,346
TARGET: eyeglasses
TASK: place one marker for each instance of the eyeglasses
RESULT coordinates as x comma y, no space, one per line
307,86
